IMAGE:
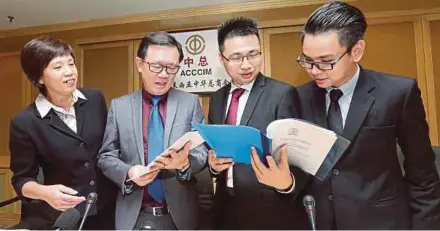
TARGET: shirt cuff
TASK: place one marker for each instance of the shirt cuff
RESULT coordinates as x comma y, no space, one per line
213,171
291,188
183,173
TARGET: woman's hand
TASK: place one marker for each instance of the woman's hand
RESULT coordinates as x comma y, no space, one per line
61,197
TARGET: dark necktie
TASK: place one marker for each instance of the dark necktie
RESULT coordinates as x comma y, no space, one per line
233,106
334,114
155,147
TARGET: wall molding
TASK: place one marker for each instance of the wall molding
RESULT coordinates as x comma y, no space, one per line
162,15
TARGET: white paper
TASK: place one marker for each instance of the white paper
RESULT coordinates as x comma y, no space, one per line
308,144
193,136
149,168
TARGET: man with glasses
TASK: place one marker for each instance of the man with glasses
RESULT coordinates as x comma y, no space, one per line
373,110
252,197
140,126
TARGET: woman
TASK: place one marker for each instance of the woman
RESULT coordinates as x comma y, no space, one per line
60,133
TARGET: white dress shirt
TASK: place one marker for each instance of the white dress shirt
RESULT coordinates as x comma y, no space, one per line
345,100
241,105
68,117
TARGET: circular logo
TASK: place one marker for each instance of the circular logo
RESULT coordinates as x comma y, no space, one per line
195,44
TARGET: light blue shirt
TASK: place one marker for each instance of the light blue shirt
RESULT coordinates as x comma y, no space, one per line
345,100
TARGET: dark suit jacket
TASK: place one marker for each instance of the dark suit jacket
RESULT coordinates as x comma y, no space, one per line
367,189
65,157
254,205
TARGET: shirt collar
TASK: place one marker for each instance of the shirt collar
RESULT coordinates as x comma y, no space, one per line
43,105
147,96
349,86
247,87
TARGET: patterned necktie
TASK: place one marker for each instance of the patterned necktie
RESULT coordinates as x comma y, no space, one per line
155,147
334,115
233,106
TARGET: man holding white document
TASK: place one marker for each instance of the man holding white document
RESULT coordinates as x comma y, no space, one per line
372,110
157,187
253,196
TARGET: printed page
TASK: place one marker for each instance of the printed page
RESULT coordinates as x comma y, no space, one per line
308,144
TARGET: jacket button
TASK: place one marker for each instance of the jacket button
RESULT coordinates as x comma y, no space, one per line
86,164
330,197
82,145
335,172
92,182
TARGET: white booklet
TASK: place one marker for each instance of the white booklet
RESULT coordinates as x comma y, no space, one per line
192,136
312,148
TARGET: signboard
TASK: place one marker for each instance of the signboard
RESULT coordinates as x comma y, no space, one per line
201,69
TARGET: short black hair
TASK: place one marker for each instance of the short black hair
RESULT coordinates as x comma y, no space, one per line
346,20
238,26
37,54
160,38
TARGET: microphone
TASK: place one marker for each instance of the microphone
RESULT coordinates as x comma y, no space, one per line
91,199
309,205
67,220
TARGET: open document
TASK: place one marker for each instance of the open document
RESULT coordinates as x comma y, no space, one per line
312,148
193,136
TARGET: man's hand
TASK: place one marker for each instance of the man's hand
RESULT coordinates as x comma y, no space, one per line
218,164
276,176
61,197
137,170
176,159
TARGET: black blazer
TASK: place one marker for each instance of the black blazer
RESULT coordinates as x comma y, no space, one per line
65,157
257,206
367,189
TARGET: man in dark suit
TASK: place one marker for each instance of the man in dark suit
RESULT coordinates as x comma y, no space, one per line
244,199
366,189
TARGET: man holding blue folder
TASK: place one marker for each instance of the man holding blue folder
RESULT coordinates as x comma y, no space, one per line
253,196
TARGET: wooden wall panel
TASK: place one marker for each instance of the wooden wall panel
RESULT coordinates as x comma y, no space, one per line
108,67
282,47
11,96
391,49
434,28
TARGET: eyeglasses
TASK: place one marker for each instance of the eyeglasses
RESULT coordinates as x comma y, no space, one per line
323,66
252,57
158,68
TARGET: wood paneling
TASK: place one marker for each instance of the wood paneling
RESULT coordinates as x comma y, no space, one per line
402,39
108,67
434,28
391,49
282,47
11,96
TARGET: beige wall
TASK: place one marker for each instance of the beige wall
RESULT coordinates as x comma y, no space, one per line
402,39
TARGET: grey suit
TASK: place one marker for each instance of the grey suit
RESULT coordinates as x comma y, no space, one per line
123,147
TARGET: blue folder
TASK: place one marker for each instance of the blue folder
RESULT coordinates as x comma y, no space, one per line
232,141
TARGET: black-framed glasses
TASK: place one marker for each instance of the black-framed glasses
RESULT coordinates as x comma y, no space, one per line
238,59
323,66
158,68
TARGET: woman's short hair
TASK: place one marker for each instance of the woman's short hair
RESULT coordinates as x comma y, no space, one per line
37,54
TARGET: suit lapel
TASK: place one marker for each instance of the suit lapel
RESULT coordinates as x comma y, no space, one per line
219,110
79,111
57,123
319,107
171,110
359,107
257,90
136,110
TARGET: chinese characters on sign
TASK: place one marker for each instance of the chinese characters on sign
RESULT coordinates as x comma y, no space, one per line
201,70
